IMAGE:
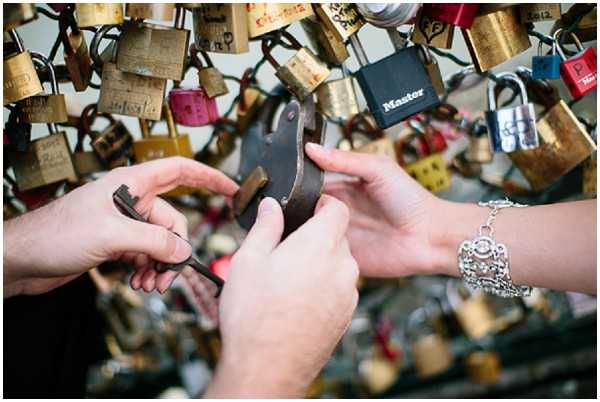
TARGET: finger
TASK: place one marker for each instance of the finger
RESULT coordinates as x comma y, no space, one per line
367,167
162,175
149,280
266,233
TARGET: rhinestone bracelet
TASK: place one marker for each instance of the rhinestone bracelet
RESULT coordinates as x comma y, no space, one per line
483,263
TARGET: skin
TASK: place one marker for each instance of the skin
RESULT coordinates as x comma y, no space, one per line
397,228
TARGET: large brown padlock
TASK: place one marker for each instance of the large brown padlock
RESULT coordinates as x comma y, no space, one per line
302,73
153,50
17,14
268,17
337,98
210,78
496,37
77,58
20,77
250,101
430,32
92,14
221,27
342,19
328,47
150,11
49,108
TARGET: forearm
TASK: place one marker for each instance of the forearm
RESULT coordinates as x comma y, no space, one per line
549,246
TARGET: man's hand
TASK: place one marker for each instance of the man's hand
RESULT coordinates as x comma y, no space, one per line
52,245
392,217
285,305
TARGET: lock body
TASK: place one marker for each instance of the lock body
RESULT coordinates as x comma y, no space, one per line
328,47
479,150
431,172
20,78
580,73
145,11
130,94
337,99
496,37
267,17
86,163
536,12
92,14
546,67
512,129
459,14
431,354
303,73
483,367
431,32
475,316
114,145
44,109
341,19
191,107
390,96
564,144
153,50
212,81
47,160
79,63
221,28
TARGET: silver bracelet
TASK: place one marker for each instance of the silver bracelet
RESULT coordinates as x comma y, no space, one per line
483,263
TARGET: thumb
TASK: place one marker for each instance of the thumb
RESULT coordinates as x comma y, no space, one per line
157,241
266,233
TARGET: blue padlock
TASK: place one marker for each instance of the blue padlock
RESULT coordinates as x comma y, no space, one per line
546,67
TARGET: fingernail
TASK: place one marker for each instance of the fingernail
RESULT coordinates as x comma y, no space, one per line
266,207
183,250
315,147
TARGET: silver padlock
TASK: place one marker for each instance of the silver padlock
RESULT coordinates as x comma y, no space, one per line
511,128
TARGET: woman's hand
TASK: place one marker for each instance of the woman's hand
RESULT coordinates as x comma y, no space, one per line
391,216
52,245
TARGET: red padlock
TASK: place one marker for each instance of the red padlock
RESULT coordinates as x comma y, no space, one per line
459,14
580,71
191,107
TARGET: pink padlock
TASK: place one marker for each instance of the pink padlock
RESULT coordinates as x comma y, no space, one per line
191,107
459,14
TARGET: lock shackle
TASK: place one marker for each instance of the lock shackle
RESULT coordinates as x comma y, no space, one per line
88,118
195,60
244,84
42,60
95,44
66,20
428,57
266,49
508,76
353,125
168,115
541,43
557,37
179,18
16,38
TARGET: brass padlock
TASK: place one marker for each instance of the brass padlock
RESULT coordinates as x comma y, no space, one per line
210,78
433,71
130,94
20,77
161,146
150,11
342,19
221,27
221,143
250,101
431,355
337,98
86,163
564,144
267,17
154,50
378,373
536,12
483,367
92,14
302,73
17,14
47,160
430,32
496,37
50,108
77,58
472,310
479,149
328,47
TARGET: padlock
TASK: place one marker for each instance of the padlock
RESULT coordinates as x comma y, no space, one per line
17,134
17,14
496,37
585,27
336,98
392,96
512,128
328,47
162,146
341,19
86,163
250,101
20,77
268,17
431,354
373,140
479,149
77,58
580,71
459,14
191,107
483,367
150,11
221,27
47,160
388,15
433,70
92,14
221,143
432,32
536,12
472,310
564,144
302,73
546,67
154,50
49,108
210,78
378,373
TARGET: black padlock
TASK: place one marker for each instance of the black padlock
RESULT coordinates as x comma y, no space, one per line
17,132
395,87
